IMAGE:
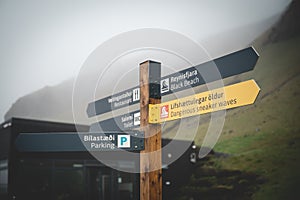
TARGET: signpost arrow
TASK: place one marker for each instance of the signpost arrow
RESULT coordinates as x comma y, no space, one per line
90,141
152,111
228,65
123,122
116,101
236,95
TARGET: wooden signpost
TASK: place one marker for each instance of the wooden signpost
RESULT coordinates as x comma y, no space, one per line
150,158
152,112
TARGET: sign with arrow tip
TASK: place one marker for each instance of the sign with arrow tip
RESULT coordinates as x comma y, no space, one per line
229,65
236,95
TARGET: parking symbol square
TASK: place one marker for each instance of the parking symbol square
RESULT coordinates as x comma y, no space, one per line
123,141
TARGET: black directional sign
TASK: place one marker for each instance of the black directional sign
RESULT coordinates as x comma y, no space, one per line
109,141
228,65
123,122
116,101
87,141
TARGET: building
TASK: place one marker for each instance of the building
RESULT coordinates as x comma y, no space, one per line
72,173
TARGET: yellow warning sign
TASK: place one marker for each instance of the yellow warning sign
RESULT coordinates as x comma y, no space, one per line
236,95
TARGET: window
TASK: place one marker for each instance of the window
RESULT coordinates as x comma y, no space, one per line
3,176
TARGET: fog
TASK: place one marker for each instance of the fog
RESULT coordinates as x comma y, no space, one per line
46,42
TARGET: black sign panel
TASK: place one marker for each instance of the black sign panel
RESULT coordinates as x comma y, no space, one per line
232,64
78,142
116,101
124,122
229,65
110,141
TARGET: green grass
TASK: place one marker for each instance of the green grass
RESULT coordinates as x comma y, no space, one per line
240,144
274,156
264,138
266,141
271,151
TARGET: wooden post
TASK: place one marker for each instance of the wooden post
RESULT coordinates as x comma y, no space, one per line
150,158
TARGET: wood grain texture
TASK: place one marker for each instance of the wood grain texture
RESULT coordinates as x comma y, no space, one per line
150,158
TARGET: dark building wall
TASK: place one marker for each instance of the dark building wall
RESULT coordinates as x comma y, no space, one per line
44,175
9,132
5,137
4,154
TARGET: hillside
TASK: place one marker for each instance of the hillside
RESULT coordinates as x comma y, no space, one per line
49,103
256,156
258,150
287,27
257,153
277,64
55,102
261,142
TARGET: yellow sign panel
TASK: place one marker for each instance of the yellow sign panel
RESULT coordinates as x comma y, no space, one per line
231,96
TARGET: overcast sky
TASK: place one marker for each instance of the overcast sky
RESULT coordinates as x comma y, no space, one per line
45,42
